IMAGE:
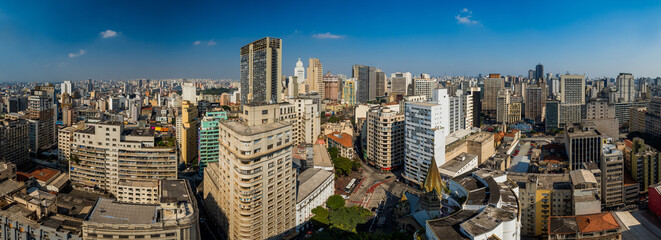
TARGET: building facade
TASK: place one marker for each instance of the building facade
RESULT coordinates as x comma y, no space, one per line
14,141
385,138
261,71
424,138
208,136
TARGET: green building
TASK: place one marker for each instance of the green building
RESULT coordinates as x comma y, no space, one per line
644,164
208,137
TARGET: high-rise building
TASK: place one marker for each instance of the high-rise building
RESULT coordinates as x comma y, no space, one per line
14,146
189,92
307,125
385,138
583,145
251,193
625,87
331,87
461,111
572,98
612,175
534,104
426,127
299,72
492,86
366,78
209,144
41,115
644,164
188,129
349,92
90,85
539,72
121,161
380,83
476,97
261,71
637,119
66,87
400,83
552,115
424,87
503,106
315,76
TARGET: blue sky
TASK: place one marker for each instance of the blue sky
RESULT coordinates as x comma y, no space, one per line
51,41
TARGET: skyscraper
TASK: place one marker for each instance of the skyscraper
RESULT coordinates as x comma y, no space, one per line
539,72
380,83
14,146
366,78
209,133
299,72
385,138
315,75
189,140
400,83
331,87
349,92
625,87
492,85
261,72
41,115
66,87
572,98
189,92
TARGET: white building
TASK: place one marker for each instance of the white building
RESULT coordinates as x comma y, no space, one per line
299,72
189,92
423,87
308,125
66,87
315,186
625,88
461,111
426,128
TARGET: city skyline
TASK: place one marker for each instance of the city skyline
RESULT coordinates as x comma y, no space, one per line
75,40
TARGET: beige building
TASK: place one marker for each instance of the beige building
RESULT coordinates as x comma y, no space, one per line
637,119
612,176
508,108
251,192
385,138
64,138
315,76
535,101
307,125
189,136
173,216
482,145
109,157
492,85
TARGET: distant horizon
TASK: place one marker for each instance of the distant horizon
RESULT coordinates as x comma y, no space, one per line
77,40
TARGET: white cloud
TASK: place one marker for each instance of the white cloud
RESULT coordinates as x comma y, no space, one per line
208,43
109,33
80,53
327,35
465,17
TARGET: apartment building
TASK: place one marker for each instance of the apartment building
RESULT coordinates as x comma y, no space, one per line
251,192
612,174
385,138
14,141
307,115
109,157
208,138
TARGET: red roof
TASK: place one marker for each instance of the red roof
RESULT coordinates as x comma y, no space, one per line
40,173
628,143
596,222
341,138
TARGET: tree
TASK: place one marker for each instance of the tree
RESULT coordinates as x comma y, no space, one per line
333,119
343,166
320,217
333,152
346,219
335,202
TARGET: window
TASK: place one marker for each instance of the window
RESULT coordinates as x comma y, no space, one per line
264,112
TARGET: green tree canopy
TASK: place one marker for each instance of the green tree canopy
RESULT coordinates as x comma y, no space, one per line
335,202
343,166
333,152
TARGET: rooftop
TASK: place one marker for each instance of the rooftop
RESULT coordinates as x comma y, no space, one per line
174,191
321,157
245,130
107,211
582,176
341,138
309,180
457,163
582,223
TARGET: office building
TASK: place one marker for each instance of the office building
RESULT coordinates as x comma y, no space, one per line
66,87
426,126
109,157
643,164
307,121
492,86
299,73
189,92
385,138
380,83
637,119
539,72
552,115
173,216
424,87
208,138
534,104
41,115
626,91
261,71
315,76
583,145
14,141
251,194
367,83
572,97
542,196
331,90
400,83
17,104
612,176
503,106
188,129
476,97
653,117
315,186
349,92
